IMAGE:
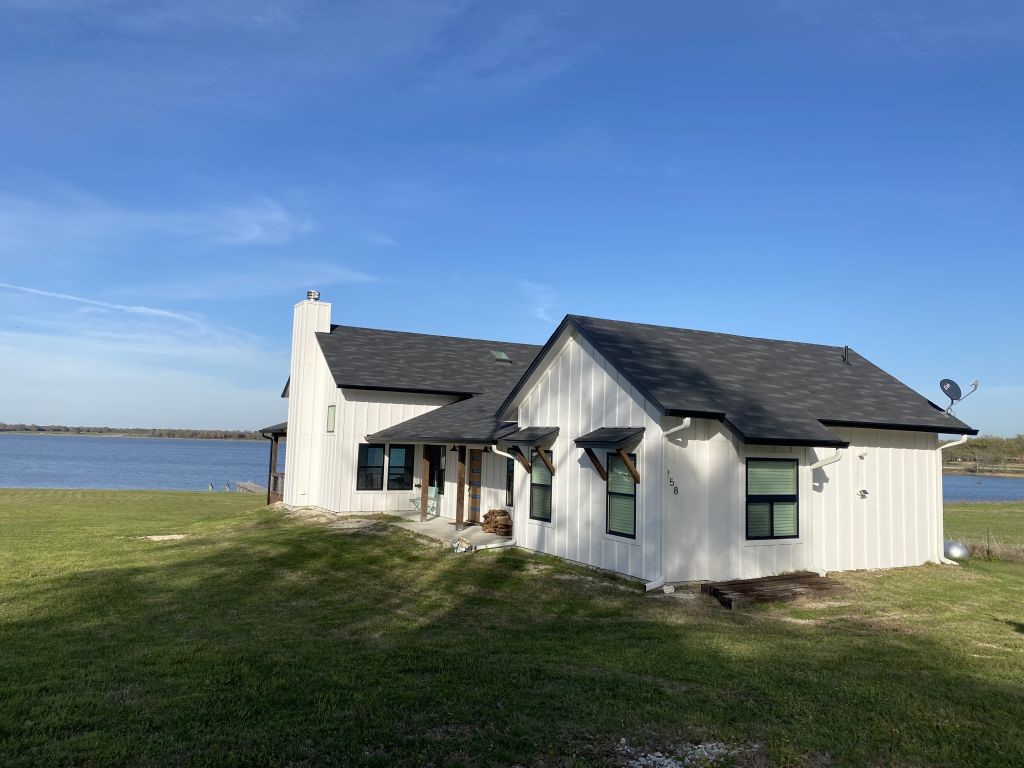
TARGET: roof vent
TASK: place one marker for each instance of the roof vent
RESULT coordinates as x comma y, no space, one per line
313,295
500,357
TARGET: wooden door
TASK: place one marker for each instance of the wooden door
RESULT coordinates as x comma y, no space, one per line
476,459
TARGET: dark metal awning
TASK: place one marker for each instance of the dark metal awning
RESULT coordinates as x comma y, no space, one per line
530,436
277,429
613,436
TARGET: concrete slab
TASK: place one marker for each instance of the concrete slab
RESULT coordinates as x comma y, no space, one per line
443,529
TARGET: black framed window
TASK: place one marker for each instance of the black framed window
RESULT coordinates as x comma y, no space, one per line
621,506
370,468
772,499
510,481
540,487
401,459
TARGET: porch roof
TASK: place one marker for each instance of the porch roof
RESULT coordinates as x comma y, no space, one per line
275,429
469,421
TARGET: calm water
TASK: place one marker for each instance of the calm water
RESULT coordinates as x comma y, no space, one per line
65,461
969,488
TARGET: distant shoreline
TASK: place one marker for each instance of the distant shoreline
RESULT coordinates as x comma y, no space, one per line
963,473
129,435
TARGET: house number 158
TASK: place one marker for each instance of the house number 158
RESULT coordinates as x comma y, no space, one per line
672,483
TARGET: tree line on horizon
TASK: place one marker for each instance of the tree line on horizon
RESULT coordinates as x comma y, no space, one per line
988,449
197,434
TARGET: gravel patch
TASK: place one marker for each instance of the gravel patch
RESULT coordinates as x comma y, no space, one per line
707,753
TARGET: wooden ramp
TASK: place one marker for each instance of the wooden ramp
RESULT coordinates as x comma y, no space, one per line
768,589
246,487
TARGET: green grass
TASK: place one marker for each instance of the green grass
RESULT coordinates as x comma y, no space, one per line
263,640
974,521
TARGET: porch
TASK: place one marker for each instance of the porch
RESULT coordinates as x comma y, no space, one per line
275,479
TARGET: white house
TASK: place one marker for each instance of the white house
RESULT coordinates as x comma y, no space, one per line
660,453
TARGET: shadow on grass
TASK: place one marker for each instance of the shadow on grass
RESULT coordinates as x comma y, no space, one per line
294,645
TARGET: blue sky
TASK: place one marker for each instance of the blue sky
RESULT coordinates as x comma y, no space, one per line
174,175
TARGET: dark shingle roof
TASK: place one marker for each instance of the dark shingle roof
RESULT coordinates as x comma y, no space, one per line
367,358
766,391
275,429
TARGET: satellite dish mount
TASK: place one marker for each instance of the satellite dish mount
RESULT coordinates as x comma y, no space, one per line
952,390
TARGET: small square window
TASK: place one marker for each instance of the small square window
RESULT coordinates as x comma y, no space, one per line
772,499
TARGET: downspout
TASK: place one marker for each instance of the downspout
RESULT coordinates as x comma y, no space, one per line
503,545
659,581
963,439
828,460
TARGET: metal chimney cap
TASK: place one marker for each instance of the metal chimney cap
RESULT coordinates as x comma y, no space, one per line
313,295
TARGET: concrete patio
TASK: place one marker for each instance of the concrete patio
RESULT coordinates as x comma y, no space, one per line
443,529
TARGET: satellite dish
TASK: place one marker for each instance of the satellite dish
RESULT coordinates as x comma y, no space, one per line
951,389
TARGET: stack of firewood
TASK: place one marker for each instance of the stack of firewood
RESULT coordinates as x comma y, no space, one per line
498,521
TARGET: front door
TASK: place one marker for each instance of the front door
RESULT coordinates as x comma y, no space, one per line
476,458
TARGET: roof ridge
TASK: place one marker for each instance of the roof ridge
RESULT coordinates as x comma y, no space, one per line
335,327
719,334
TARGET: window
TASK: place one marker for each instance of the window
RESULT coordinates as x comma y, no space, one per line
370,470
772,499
540,487
331,413
621,497
400,464
510,481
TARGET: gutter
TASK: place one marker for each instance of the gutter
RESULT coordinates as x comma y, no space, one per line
659,581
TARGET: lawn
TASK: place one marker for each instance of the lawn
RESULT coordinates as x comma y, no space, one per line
978,522
260,639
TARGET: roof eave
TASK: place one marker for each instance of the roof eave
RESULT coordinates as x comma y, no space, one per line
946,429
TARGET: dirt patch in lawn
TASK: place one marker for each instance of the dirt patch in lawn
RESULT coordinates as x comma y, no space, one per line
163,537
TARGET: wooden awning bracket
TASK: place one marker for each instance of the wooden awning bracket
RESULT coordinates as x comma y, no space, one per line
596,462
521,458
547,462
630,466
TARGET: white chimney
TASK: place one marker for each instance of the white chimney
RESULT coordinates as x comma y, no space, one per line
308,391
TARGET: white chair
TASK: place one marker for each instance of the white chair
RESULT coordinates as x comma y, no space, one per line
433,502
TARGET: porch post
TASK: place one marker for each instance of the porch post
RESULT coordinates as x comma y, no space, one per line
424,484
460,501
273,467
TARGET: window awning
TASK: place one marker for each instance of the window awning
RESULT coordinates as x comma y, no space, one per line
530,436
609,436
615,438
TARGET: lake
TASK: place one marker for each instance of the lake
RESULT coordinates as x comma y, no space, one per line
81,461
75,461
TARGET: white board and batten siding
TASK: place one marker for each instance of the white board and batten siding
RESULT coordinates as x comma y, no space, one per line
579,392
896,523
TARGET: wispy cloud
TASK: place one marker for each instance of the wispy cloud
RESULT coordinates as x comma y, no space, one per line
94,303
511,50
127,363
75,216
917,26
253,281
540,298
